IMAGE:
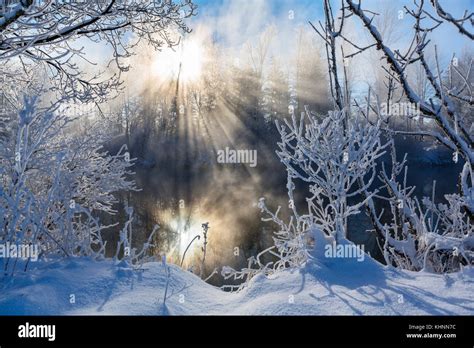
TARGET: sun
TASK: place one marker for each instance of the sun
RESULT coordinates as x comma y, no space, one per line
184,62
189,233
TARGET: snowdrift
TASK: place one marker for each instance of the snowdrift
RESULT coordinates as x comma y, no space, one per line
335,286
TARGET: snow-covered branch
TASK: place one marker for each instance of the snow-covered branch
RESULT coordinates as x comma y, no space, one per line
458,22
448,122
453,128
47,31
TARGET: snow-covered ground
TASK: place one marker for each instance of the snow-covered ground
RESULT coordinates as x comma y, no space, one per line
331,287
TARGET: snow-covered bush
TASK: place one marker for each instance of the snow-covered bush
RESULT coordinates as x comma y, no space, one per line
333,157
290,249
421,235
336,159
53,185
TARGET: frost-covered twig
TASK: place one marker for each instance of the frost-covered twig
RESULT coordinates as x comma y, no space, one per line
124,245
205,228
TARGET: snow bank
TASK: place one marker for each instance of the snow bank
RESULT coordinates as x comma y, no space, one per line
332,287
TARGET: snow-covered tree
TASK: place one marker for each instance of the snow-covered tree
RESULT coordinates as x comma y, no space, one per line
48,31
311,78
452,131
276,98
458,82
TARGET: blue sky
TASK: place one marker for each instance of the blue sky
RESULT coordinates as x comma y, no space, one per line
233,23
244,18
278,6
276,12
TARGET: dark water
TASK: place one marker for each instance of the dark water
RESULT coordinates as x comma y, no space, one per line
183,186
